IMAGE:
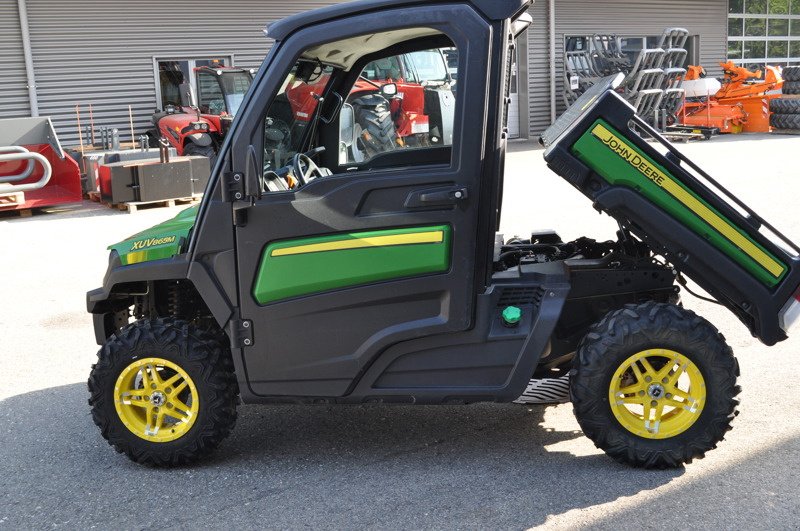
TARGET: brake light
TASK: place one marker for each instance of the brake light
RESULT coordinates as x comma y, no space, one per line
790,314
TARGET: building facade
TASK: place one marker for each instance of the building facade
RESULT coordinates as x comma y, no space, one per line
59,58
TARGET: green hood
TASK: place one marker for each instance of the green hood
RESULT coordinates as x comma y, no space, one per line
159,241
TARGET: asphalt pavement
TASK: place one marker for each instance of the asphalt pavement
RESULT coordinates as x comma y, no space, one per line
382,467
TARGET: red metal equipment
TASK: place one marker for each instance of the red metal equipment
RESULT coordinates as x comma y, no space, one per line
199,125
29,151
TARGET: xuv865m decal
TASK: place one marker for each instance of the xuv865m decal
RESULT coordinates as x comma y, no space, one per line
292,268
604,150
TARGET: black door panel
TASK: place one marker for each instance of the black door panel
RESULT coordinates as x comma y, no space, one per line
317,344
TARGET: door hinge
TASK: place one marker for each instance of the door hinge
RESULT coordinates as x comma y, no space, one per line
240,332
234,186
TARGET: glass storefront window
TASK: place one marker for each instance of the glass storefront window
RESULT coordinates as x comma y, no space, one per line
779,27
756,7
735,27
778,7
778,49
735,50
755,49
755,27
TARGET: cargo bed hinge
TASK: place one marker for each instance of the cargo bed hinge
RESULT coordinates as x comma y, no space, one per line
240,331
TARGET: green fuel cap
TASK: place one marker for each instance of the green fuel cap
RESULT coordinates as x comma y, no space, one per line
511,316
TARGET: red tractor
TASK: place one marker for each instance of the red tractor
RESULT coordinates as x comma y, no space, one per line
402,100
198,126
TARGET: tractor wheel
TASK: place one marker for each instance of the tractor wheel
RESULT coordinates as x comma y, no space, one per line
791,87
378,133
654,385
784,106
785,121
192,149
163,392
791,73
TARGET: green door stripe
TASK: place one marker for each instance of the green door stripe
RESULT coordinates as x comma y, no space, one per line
305,266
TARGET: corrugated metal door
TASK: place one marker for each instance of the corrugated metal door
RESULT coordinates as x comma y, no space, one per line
538,70
704,18
513,106
101,53
14,101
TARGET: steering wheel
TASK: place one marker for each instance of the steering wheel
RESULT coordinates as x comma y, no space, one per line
304,169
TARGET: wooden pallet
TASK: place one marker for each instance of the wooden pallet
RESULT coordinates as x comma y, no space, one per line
12,199
133,206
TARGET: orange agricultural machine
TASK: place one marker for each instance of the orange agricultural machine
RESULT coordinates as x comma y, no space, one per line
740,103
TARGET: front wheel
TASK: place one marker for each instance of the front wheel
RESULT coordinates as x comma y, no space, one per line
192,149
654,385
163,392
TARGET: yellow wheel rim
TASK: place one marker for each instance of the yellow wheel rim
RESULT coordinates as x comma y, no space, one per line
156,400
657,394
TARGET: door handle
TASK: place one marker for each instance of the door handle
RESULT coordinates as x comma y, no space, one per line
441,196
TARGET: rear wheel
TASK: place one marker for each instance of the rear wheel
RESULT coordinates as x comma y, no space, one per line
654,385
163,392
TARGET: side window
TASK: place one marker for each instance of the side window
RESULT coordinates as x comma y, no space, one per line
209,98
400,102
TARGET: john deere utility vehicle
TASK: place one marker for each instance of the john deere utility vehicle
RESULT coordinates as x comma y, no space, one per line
304,277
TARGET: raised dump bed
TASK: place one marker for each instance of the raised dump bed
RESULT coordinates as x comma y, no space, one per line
600,146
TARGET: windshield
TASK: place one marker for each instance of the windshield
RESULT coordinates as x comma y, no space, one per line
430,65
292,112
220,93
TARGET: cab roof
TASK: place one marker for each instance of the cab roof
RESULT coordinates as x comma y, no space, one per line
491,9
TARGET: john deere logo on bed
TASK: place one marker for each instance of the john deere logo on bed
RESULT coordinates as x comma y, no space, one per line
634,159
150,242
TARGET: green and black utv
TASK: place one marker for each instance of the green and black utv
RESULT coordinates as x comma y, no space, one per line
310,275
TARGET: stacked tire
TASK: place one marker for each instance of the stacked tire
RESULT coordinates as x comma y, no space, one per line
785,112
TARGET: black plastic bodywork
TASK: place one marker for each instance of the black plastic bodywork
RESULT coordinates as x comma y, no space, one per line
436,338
497,10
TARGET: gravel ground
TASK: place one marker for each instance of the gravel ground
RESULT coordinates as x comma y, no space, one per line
481,466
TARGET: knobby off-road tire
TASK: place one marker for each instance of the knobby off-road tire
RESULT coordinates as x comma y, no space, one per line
791,73
185,365
785,106
192,149
652,330
377,132
785,121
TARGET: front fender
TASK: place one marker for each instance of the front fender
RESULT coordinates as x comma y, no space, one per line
121,280
201,139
